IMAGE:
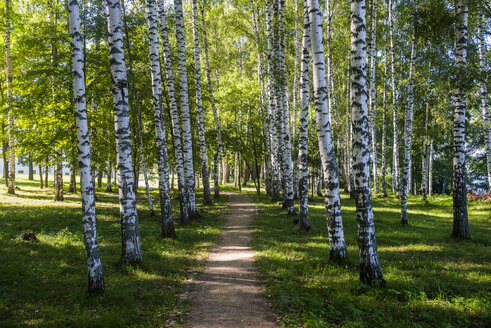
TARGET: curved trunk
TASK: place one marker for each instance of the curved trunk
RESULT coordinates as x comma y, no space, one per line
199,109
127,199
218,155
338,250
174,114
187,142
460,219
408,130
484,94
168,230
96,278
370,270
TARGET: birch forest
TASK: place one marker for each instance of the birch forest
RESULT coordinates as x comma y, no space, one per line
245,163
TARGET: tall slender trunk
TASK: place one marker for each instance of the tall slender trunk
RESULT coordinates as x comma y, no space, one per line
406,181
218,155
272,60
73,180
31,169
187,143
430,169
348,182
338,250
303,164
41,185
395,151
372,95
138,117
484,93
384,126
46,183
185,218
109,177
370,270
295,105
460,219
424,164
11,184
168,230
199,109
5,150
59,180
96,278
127,199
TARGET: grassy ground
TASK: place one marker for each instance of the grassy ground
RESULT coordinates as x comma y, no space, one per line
432,280
43,284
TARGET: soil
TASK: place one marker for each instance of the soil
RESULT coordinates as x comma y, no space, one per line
228,292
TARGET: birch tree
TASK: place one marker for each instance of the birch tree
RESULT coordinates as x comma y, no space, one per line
460,219
484,92
127,199
199,109
372,95
96,278
338,250
168,229
370,270
218,155
187,142
395,150
11,180
384,126
408,129
183,196
303,165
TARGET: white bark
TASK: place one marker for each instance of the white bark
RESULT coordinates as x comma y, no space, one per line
484,93
395,151
370,270
338,250
303,165
218,155
199,109
430,169
185,219
127,199
96,278
372,95
384,126
408,130
187,142
11,182
460,221
168,229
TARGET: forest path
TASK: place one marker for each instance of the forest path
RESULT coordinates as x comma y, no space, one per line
227,293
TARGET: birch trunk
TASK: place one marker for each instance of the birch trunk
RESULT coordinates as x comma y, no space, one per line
73,180
370,270
430,169
384,126
127,199
185,219
11,184
338,250
285,136
218,155
295,137
275,182
199,109
41,185
168,230
406,181
109,177
138,118
460,219
303,164
424,164
395,153
187,142
372,95
96,278
59,179
484,93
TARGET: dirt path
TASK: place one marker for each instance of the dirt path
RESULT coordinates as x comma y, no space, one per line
227,293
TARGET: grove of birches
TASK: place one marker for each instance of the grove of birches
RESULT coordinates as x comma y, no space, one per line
297,98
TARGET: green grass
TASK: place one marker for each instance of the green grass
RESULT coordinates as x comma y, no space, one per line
432,280
44,284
